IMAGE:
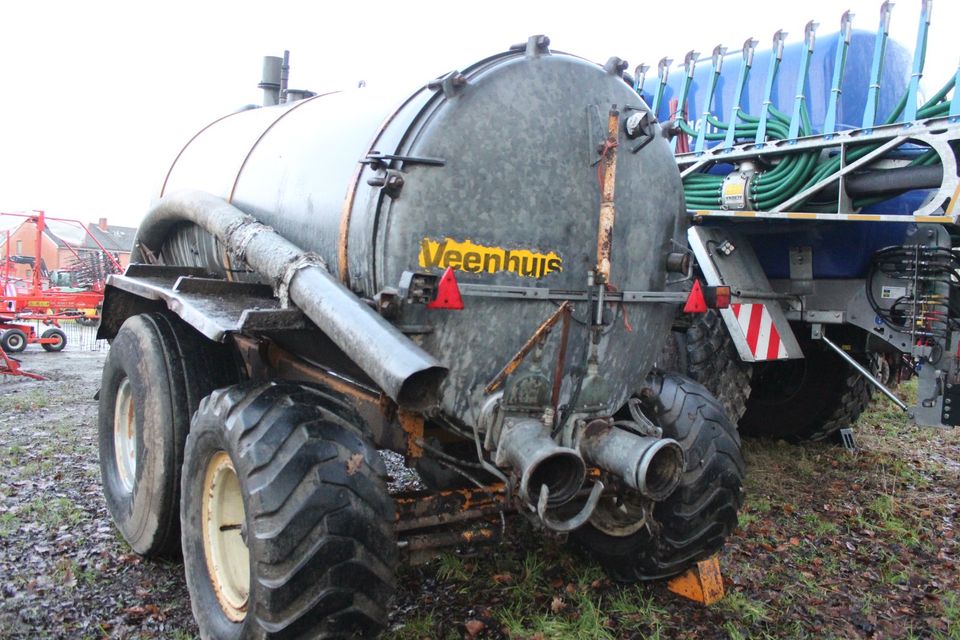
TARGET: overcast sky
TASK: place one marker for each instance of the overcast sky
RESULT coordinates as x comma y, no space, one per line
96,98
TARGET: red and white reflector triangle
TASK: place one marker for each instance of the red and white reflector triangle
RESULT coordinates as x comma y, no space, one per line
448,293
695,301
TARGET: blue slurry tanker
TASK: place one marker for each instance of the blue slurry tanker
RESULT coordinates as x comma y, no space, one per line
822,185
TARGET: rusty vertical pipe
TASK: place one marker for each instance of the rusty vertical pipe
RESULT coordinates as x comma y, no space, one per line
608,211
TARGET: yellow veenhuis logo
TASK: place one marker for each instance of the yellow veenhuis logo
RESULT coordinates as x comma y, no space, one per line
476,258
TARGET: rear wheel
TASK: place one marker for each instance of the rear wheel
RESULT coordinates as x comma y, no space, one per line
634,540
54,334
156,373
807,399
287,523
705,353
13,341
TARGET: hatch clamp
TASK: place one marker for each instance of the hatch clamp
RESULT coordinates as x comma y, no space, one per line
378,160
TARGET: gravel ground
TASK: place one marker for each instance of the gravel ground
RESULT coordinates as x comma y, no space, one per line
870,552
64,571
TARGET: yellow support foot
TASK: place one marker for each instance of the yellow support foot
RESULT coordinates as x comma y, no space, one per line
701,583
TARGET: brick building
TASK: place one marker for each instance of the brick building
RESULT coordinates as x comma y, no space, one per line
60,241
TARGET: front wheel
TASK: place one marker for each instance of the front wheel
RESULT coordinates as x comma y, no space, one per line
59,340
633,541
287,524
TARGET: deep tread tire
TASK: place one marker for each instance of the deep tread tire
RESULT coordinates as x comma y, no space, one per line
13,341
56,346
705,353
319,520
170,368
805,400
696,519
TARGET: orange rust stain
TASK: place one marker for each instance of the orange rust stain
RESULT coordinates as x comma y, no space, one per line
701,583
412,423
479,534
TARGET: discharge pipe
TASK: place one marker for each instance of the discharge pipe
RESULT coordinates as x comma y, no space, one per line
406,373
650,465
525,445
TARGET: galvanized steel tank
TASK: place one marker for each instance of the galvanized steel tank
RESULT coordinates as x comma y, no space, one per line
491,171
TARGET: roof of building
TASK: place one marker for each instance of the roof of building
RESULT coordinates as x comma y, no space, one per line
115,238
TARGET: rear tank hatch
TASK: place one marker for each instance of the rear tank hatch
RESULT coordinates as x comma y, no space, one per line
503,186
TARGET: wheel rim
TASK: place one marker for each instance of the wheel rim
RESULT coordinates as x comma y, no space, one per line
224,536
15,341
125,436
621,515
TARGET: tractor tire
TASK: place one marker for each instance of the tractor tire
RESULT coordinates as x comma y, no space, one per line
805,400
706,354
287,523
13,341
53,347
157,371
695,520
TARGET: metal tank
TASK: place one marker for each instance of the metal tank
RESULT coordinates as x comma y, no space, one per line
493,172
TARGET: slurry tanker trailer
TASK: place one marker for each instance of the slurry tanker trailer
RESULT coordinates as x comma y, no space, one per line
479,276
498,277
822,185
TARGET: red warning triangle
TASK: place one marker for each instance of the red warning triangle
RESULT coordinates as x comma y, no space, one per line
448,293
695,301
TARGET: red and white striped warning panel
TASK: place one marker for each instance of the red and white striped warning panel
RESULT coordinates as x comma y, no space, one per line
760,332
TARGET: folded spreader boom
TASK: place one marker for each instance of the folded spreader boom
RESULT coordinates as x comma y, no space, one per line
815,144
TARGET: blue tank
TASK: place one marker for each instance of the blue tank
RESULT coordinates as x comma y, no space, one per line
856,78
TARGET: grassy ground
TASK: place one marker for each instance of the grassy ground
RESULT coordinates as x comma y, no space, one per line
831,545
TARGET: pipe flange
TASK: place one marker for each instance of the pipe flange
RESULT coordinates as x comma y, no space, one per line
242,233
303,261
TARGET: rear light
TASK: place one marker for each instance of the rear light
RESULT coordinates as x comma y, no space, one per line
703,298
717,297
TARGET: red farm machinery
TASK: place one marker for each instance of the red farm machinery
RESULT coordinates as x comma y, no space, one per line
33,294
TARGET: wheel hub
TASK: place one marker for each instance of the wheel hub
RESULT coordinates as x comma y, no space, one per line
224,536
125,436
620,515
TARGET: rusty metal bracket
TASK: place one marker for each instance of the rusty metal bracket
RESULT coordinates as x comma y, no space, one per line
527,347
412,424
608,211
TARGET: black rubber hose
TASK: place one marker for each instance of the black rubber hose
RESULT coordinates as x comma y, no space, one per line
871,183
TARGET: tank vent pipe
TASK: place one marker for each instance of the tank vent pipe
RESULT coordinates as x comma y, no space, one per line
270,80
